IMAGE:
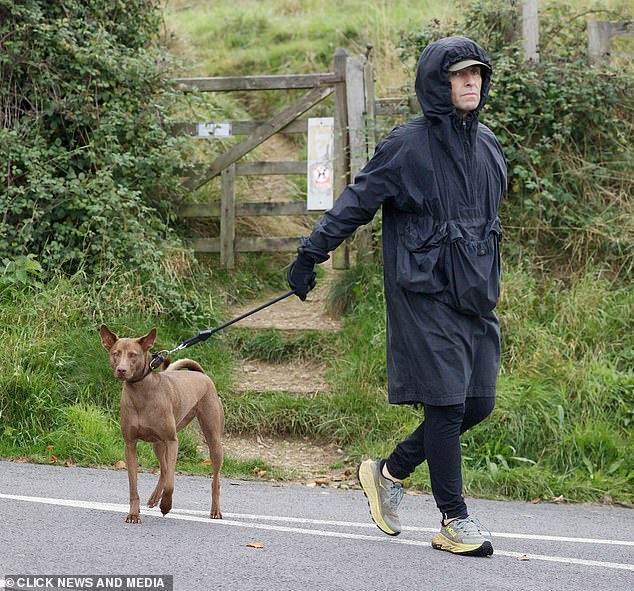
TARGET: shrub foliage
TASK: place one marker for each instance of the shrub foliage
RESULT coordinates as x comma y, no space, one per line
566,128
88,172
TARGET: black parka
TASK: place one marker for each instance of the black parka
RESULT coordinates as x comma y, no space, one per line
439,180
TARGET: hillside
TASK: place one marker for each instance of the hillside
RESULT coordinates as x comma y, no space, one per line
285,37
224,41
92,183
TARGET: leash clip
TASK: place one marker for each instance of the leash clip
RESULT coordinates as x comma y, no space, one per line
157,359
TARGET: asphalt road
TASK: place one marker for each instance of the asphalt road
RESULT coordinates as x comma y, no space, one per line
70,521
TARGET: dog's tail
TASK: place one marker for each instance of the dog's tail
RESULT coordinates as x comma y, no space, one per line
184,364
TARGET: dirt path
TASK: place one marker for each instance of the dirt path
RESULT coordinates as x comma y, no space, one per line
302,459
292,316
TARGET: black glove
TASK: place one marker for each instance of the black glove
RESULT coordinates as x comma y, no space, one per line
301,276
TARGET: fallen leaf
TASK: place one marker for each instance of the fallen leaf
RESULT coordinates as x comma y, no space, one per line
558,499
322,481
259,472
206,462
255,545
536,501
522,557
120,465
22,461
53,459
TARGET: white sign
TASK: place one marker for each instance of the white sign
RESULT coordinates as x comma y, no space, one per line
213,129
320,163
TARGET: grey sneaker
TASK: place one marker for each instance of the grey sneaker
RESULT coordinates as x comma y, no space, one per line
463,536
384,496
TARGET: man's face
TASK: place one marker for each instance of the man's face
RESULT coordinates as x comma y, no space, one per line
465,88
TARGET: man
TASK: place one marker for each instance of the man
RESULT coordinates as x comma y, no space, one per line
439,180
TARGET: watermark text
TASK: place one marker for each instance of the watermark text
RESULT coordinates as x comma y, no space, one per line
84,582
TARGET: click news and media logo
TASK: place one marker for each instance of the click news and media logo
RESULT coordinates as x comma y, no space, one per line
87,582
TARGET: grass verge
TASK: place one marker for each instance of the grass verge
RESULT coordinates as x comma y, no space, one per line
562,425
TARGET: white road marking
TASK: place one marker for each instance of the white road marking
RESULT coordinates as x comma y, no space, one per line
416,529
202,517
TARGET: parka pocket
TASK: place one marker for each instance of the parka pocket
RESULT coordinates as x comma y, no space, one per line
473,270
418,252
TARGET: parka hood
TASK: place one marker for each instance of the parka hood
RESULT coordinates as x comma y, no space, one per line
433,88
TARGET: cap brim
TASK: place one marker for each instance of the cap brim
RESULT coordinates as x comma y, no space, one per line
461,65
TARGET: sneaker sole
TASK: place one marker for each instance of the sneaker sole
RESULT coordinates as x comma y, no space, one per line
440,542
372,495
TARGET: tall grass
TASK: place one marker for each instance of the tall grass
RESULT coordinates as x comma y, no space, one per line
58,397
565,413
292,36
562,426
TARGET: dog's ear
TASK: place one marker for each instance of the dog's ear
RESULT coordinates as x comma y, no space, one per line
147,341
108,338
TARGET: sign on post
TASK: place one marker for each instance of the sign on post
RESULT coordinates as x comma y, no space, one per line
213,130
320,163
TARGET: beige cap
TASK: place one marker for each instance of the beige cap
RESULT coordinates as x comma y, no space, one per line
465,64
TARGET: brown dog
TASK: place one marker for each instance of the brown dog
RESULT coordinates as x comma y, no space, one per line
155,406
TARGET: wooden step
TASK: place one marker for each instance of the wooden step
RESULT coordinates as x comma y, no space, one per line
306,379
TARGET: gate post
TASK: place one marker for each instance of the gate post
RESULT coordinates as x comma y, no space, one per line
360,99
340,257
228,218
530,31
600,35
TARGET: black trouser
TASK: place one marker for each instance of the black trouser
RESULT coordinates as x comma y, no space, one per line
437,440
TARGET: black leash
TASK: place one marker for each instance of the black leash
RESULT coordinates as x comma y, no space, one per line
203,335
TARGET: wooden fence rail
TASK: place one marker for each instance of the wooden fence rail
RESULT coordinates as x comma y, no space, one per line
278,82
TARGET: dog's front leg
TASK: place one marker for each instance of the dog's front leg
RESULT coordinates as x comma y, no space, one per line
159,452
133,466
171,453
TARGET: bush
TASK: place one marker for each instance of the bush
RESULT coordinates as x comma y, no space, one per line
565,127
88,173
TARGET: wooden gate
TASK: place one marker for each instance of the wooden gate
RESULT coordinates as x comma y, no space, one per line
353,86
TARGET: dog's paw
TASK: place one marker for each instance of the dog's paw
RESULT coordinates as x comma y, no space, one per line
215,514
133,518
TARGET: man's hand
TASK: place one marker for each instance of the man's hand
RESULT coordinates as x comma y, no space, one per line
301,276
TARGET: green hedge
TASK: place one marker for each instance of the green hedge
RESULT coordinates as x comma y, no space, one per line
566,128
88,173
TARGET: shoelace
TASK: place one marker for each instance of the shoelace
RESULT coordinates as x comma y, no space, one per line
396,496
470,524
